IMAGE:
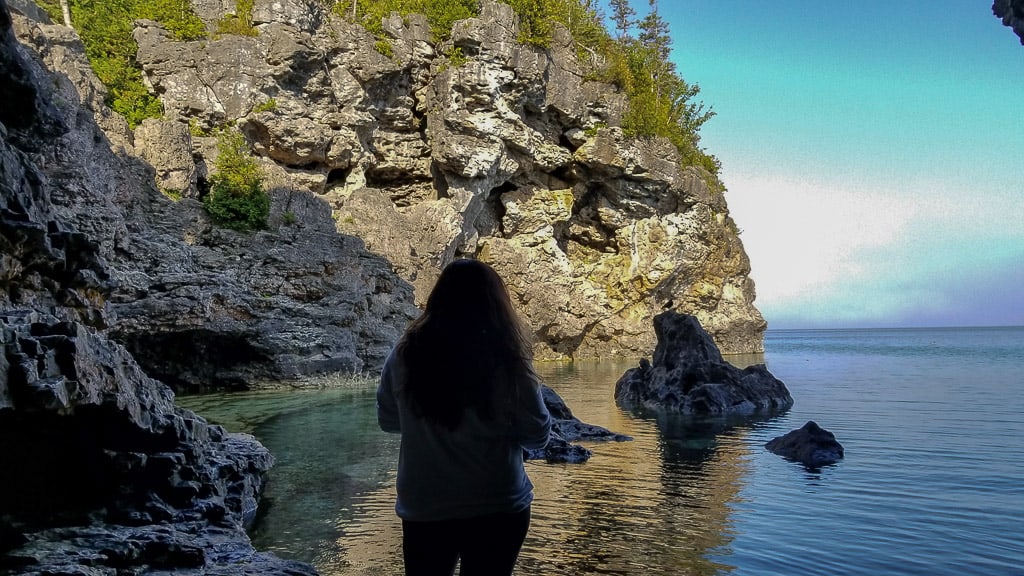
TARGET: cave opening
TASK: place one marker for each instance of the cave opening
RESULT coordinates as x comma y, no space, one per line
196,361
338,176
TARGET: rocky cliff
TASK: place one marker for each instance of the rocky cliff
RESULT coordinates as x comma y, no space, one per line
381,170
196,305
508,154
478,146
102,473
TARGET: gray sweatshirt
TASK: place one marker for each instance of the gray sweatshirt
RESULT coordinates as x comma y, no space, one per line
473,470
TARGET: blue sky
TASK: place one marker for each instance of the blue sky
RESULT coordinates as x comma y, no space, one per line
873,152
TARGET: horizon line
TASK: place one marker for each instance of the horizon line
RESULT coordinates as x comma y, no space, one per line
950,327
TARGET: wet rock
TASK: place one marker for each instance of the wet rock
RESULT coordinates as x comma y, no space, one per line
566,429
811,445
689,376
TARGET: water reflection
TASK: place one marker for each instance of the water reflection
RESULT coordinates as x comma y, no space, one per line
658,505
743,360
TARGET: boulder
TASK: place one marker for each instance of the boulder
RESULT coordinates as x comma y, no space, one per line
689,376
811,445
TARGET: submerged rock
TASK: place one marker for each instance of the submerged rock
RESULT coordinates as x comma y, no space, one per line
689,376
811,445
566,429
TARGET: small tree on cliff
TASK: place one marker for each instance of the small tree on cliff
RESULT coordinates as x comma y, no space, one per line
623,15
236,198
661,103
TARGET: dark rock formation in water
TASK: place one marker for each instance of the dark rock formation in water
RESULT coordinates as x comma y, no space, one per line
565,430
689,376
1012,14
811,445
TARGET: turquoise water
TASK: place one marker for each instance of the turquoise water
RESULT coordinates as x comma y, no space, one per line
933,481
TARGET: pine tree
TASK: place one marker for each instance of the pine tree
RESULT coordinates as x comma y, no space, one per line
654,33
656,47
623,15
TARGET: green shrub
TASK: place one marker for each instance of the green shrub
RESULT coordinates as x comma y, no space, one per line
441,14
236,198
455,57
534,21
593,130
172,193
175,15
105,27
197,129
239,23
384,48
268,105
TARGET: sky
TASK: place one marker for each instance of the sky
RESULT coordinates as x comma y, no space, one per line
873,153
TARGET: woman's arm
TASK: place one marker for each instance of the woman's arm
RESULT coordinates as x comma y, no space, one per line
532,419
387,403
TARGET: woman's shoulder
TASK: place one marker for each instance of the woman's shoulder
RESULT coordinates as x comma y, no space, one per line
394,366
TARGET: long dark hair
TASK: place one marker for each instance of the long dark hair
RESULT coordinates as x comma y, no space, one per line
468,348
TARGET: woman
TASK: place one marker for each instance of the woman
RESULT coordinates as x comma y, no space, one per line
460,388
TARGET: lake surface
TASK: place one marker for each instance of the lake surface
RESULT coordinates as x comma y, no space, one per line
933,480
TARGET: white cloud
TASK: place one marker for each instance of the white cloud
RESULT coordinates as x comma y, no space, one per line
804,237
852,253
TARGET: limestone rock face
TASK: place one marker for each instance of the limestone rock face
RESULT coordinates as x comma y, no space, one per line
475,147
169,146
689,376
1012,14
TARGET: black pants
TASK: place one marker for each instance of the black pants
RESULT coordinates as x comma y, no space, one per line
488,545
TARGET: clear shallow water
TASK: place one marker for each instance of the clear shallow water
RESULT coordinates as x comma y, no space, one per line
933,480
